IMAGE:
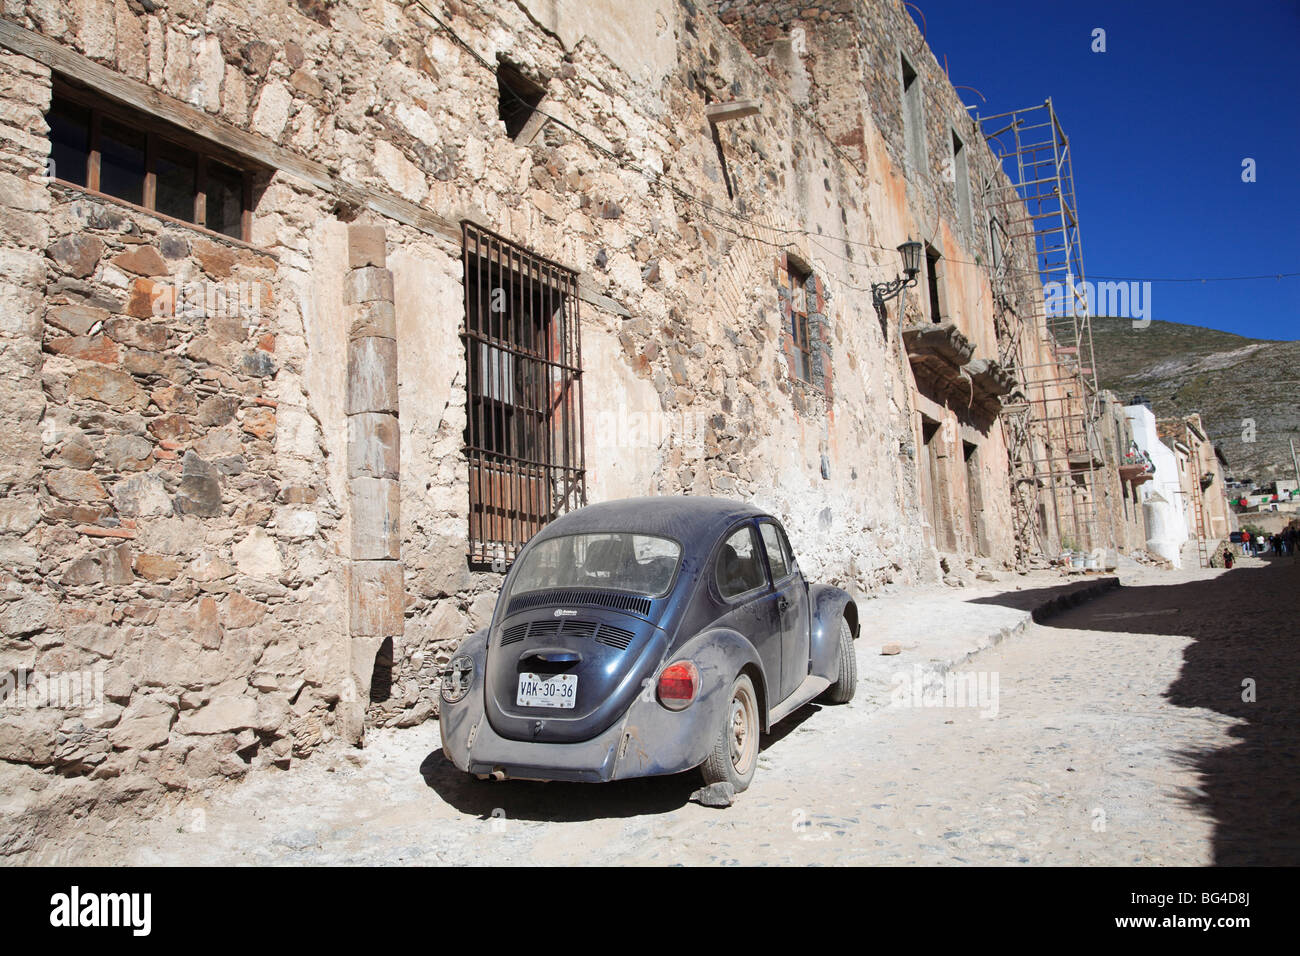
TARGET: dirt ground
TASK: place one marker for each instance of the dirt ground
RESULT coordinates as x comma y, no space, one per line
1116,733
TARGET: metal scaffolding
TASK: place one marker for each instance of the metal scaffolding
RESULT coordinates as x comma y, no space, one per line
1055,452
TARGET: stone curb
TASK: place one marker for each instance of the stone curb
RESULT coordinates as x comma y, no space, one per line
1074,598
938,667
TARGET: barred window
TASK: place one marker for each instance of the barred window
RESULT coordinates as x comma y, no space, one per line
523,438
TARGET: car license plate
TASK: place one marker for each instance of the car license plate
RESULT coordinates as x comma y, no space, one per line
557,690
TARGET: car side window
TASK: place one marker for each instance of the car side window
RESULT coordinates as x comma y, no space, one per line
776,559
789,551
739,568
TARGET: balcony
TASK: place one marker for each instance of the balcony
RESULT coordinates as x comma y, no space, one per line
989,383
938,354
1136,467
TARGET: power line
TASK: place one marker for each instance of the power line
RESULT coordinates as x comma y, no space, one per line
1276,275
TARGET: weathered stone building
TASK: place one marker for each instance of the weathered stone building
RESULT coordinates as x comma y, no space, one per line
313,311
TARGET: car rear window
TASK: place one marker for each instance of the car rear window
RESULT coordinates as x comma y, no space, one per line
624,561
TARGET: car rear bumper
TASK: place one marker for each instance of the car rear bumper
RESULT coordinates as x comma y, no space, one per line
589,761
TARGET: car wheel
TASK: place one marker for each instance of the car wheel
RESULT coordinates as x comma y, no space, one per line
842,691
735,751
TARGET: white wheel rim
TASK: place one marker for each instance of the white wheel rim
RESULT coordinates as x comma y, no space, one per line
742,730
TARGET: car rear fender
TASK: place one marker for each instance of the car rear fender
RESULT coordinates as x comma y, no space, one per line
657,740
828,605
456,721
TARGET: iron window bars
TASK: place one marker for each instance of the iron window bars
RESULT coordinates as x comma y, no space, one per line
524,431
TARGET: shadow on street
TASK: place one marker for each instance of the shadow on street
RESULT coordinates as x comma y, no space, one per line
1244,627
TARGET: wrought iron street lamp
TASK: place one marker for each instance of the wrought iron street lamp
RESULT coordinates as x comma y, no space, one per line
882,292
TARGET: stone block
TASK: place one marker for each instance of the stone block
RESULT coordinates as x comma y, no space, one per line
258,555
366,246
26,615
146,723
378,318
128,453
221,716
372,376
368,285
217,410
77,255
156,567
376,519
142,260
135,333
19,515
377,599
200,489
111,386
259,422
118,564
71,485
143,496
148,299
374,444
87,348
77,319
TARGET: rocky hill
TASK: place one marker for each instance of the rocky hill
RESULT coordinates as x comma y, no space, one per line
1231,380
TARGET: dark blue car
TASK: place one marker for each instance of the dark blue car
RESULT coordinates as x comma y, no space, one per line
646,636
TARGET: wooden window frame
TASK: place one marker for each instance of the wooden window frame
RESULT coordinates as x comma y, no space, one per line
156,133
962,198
799,331
912,99
934,283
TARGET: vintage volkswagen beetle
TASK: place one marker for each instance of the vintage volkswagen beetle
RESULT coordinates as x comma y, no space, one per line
646,636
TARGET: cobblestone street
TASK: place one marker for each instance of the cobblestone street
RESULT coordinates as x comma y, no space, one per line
1116,735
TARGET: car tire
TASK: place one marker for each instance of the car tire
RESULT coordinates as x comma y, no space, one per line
846,685
734,757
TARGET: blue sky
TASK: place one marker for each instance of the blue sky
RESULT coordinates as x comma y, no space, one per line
1159,125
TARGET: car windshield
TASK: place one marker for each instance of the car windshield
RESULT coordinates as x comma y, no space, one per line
629,562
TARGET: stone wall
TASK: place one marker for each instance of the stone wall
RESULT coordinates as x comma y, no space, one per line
197,502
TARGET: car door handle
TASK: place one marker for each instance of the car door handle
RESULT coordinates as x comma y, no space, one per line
783,604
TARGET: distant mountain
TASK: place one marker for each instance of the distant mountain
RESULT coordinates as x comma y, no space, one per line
1231,380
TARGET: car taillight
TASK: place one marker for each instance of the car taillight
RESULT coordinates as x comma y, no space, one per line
456,679
678,685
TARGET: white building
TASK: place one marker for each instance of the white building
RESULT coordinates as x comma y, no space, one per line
1163,507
